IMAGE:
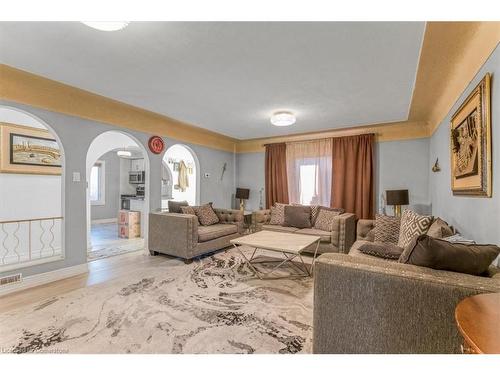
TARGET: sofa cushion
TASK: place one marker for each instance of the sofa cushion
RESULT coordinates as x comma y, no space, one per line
211,232
206,214
355,252
325,218
175,207
382,250
298,216
188,210
412,225
278,214
279,228
439,229
387,229
325,236
472,259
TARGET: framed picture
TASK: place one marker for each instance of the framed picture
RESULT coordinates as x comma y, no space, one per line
28,150
470,138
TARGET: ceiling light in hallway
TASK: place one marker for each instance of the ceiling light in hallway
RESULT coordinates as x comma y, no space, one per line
124,154
283,119
107,25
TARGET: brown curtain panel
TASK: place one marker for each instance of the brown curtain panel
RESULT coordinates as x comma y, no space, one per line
276,178
353,174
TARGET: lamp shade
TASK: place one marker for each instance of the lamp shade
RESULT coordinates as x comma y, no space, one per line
397,197
242,193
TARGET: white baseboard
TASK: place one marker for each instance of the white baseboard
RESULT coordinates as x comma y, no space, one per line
104,221
43,278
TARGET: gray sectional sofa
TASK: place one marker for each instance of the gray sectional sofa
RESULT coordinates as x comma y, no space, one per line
182,236
339,240
364,304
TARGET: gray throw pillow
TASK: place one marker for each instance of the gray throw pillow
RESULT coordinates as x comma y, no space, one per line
298,216
387,229
382,250
439,229
472,259
175,207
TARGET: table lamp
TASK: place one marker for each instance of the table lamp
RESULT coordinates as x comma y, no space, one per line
397,198
242,195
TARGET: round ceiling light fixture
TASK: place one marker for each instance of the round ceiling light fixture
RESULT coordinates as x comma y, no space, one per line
107,25
123,154
283,118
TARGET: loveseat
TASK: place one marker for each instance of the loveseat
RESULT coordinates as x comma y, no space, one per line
339,240
365,304
182,236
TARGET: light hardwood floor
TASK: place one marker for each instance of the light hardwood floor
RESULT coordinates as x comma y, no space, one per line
100,271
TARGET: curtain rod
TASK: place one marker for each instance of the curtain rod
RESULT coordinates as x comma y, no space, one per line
317,139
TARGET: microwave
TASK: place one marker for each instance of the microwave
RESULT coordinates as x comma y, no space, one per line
138,177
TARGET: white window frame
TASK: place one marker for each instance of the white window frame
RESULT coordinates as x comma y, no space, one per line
102,184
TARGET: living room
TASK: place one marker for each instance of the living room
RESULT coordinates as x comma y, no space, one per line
269,195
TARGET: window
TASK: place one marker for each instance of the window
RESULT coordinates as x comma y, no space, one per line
96,184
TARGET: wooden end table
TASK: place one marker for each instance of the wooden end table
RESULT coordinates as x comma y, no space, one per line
478,320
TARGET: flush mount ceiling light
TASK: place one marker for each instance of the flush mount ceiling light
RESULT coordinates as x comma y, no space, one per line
124,154
106,25
283,119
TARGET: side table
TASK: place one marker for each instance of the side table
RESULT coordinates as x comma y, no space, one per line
478,321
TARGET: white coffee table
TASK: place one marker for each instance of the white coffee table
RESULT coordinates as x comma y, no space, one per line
290,245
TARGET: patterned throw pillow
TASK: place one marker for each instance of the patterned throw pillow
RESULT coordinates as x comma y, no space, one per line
387,229
412,225
325,218
278,214
206,214
188,210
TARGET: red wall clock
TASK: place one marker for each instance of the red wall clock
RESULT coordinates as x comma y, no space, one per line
156,144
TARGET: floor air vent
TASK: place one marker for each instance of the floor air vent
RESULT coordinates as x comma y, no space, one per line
10,279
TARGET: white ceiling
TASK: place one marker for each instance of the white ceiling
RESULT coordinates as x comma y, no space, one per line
230,77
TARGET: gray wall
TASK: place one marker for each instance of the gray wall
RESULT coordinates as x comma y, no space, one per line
476,218
399,165
250,175
403,165
112,188
76,135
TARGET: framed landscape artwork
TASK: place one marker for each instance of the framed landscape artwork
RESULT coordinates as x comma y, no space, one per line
470,138
28,150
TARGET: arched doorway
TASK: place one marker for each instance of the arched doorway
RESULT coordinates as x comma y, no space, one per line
32,190
117,173
180,175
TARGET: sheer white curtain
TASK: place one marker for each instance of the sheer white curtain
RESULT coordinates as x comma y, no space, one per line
309,170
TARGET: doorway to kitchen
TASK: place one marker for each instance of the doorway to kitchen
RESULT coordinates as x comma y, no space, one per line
117,201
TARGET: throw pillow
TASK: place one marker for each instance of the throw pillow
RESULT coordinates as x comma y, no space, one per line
175,207
381,250
325,218
412,225
278,214
439,229
472,259
188,210
314,210
298,216
387,229
206,214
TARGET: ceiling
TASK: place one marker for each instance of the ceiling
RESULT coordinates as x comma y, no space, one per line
230,77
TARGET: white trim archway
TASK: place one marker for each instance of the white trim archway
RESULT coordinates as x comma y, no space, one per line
52,131
197,168
135,142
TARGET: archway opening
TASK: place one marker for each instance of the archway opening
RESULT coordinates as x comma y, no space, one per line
180,175
32,191
117,169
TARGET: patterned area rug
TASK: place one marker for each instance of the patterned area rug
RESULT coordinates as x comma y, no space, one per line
116,248
214,305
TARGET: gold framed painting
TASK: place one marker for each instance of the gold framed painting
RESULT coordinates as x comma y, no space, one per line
470,137
28,150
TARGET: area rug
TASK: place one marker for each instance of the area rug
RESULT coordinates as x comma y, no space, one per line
213,305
